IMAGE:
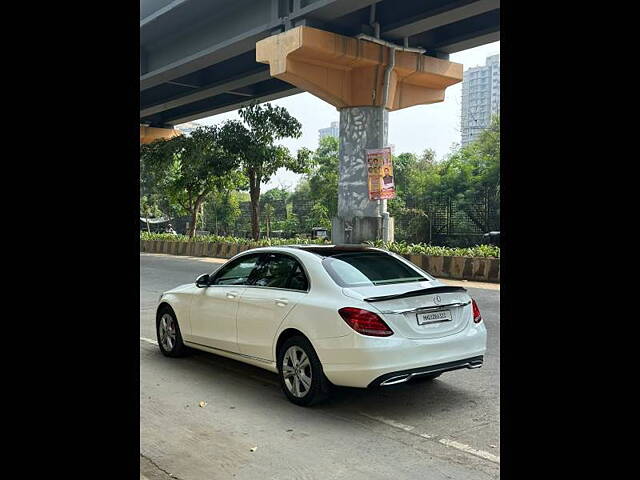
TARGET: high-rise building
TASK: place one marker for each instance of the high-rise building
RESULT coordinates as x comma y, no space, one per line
332,131
187,128
480,98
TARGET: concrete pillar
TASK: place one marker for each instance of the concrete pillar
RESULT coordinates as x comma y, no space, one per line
360,219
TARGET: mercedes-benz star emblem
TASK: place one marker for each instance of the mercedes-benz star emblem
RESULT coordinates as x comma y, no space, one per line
437,300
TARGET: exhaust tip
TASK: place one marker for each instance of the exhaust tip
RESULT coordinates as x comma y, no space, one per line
396,380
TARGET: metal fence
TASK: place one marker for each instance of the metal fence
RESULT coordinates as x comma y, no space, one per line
453,222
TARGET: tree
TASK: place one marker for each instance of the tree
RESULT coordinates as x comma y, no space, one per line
269,211
319,216
274,195
222,210
323,181
291,225
253,143
274,204
186,169
149,209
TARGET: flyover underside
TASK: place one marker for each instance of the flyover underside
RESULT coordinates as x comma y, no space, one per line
198,56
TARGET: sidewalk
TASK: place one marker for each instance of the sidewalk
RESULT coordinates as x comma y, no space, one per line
456,283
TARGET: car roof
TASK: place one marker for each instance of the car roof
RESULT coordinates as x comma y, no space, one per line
330,250
318,251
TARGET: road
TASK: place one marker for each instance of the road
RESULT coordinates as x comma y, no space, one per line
448,428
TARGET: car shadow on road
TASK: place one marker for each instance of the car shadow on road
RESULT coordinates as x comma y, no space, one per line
439,396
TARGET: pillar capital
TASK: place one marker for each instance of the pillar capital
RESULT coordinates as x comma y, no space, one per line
349,72
149,134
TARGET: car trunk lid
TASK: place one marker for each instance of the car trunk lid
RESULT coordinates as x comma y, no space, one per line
418,310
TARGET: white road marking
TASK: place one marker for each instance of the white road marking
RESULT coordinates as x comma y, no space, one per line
471,450
149,340
388,421
443,441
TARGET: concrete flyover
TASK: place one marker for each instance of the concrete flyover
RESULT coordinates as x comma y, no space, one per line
365,57
198,57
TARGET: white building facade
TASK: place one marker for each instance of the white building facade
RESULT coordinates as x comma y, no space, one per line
480,98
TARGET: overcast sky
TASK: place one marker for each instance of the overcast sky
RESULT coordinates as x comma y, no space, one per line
412,129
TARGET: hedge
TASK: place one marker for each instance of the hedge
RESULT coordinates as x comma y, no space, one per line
478,251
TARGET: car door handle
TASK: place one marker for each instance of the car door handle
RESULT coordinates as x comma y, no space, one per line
281,302
231,295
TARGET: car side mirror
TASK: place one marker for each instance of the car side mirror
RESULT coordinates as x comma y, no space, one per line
202,281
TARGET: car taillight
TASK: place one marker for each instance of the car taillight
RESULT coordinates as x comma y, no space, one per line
477,318
365,322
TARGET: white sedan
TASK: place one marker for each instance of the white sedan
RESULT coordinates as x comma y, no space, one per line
320,315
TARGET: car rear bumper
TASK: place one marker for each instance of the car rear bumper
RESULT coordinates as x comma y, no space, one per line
402,376
361,361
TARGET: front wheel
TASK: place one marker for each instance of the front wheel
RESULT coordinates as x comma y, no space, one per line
168,333
301,375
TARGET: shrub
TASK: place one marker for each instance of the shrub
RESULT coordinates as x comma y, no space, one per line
485,251
233,240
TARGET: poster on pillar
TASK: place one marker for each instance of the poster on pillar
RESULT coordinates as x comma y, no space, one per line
380,171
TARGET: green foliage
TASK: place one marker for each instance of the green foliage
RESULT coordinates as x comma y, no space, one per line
274,196
323,179
184,170
291,224
319,216
149,207
252,141
222,211
465,175
233,240
486,251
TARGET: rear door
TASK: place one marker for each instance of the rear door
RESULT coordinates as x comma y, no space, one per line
214,308
278,284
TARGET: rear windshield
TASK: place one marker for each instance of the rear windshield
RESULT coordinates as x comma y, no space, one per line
366,269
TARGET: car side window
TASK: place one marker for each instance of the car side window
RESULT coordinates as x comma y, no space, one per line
237,272
280,271
299,280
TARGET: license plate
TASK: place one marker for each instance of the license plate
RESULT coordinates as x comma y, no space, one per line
434,317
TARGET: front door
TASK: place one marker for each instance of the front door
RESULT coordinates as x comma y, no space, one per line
214,308
277,285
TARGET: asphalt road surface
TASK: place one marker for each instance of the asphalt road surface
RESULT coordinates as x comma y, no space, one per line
448,428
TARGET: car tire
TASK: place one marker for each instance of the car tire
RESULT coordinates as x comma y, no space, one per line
168,333
294,378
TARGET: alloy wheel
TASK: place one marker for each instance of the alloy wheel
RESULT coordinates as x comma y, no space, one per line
296,369
168,332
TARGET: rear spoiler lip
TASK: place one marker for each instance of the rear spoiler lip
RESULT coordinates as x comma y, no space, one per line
415,293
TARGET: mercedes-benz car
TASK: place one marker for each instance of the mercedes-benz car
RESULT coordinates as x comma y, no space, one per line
319,316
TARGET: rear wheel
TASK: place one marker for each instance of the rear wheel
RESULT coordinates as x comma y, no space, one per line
301,375
168,333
